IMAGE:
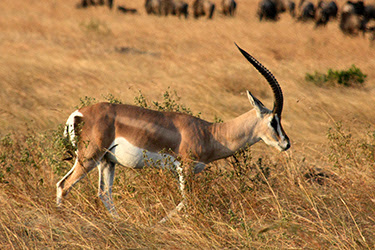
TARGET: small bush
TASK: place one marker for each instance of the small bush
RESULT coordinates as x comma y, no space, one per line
170,103
86,101
348,78
113,99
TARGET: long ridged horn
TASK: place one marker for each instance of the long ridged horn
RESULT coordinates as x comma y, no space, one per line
279,100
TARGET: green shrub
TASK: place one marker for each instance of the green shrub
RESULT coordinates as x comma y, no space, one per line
348,78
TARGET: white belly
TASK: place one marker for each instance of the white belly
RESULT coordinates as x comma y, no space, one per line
124,153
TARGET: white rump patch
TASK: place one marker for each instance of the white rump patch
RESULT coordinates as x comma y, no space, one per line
69,127
124,153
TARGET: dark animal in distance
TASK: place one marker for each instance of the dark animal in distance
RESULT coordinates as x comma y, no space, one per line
270,9
179,8
267,10
87,3
126,10
306,10
325,12
203,8
152,7
357,8
166,7
351,21
229,7
368,15
292,8
369,12
285,5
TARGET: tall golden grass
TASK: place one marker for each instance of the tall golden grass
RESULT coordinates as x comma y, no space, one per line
317,195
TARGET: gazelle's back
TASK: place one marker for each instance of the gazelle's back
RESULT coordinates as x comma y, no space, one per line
148,129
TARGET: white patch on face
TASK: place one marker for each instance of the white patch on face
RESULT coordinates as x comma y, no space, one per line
126,154
271,139
272,143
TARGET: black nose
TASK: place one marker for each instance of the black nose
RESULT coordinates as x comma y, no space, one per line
287,146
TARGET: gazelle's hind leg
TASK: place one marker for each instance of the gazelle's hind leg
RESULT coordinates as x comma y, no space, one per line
106,176
78,171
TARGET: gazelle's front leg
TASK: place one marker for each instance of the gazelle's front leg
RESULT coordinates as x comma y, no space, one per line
59,186
78,171
181,184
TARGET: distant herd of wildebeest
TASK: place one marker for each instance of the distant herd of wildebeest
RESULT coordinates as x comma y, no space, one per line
354,17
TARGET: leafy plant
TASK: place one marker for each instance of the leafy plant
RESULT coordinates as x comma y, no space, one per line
141,100
348,78
170,102
218,119
112,99
86,101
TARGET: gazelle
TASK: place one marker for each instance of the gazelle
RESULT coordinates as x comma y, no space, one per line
110,134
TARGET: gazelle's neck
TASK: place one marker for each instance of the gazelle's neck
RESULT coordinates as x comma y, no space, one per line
235,134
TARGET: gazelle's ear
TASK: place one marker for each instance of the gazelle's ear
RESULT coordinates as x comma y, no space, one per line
258,105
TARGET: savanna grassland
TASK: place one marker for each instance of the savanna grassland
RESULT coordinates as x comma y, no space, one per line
318,195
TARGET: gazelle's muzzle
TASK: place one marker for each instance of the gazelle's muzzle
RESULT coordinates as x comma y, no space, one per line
286,146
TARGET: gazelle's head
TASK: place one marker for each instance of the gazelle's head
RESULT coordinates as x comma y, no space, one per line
270,129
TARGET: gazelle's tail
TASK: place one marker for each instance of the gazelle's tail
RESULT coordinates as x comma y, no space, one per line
70,127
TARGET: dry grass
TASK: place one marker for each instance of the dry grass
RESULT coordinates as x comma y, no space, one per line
318,195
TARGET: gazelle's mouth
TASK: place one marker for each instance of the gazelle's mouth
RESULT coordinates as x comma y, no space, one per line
286,147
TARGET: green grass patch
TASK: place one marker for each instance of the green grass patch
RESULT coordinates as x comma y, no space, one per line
347,78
